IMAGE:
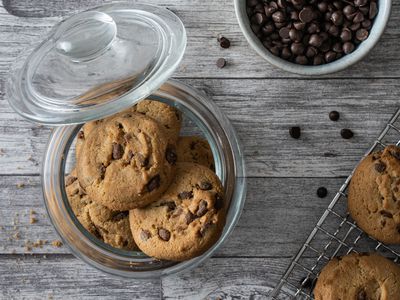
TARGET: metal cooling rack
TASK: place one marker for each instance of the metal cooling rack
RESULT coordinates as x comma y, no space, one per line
335,234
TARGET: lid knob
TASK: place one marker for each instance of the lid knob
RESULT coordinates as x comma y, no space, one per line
85,36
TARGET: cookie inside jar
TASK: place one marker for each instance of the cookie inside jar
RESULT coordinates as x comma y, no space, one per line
144,180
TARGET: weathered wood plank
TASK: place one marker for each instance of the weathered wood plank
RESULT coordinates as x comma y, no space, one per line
278,216
204,20
65,277
262,111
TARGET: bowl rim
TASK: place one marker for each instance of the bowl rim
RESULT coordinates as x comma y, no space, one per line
359,53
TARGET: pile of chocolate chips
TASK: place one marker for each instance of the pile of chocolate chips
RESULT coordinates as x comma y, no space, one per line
311,32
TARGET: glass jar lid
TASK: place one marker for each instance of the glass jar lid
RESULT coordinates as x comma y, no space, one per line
97,63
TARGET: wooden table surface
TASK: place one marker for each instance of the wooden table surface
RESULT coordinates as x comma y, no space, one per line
261,101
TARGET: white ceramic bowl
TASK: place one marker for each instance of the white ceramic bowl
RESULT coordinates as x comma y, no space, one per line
380,21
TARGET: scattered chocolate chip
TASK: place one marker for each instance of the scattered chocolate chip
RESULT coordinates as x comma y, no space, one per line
202,210
153,184
170,155
119,216
386,214
334,115
70,180
117,151
346,133
221,62
164,234
81,134
219,202
224,42
322,192
142,160
295,132
362,295
145,235
185,195
205,186
380,167
189,217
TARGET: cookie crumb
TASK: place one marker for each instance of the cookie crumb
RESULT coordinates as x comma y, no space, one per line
56,243
20,185
32,217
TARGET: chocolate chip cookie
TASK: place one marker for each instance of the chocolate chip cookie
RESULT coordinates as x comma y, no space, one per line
374,195
187,219
126,162
167,116
195,149
112,227
360,277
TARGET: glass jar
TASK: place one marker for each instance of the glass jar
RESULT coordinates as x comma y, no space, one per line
37,93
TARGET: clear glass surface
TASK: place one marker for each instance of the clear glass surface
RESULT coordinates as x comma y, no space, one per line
97,61
200,115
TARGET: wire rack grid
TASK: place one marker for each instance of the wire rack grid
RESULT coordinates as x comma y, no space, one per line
334,234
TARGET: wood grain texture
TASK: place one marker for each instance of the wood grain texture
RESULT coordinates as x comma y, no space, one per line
262,111
65,277
23,21
273,206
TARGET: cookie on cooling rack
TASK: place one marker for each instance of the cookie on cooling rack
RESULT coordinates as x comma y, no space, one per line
359,277
374,195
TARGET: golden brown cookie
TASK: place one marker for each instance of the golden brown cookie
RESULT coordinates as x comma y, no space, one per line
186,221
195,149
374,195
126,162
112,227
359,277
167,116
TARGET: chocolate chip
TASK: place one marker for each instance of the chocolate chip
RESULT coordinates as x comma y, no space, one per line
102,170
306,15
145,235
202,210
219,202
142,160
224,42
346,133
171,156
334,115
221,62
205,186
284,32
127,137
295,132
278,17
164,234
204,228
81,134
373,9
322,192
189,217
362,34
153,184
330,56
362,295
185,195
386,214
380,167
130,155
119,216
337,18
70,180
117,151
